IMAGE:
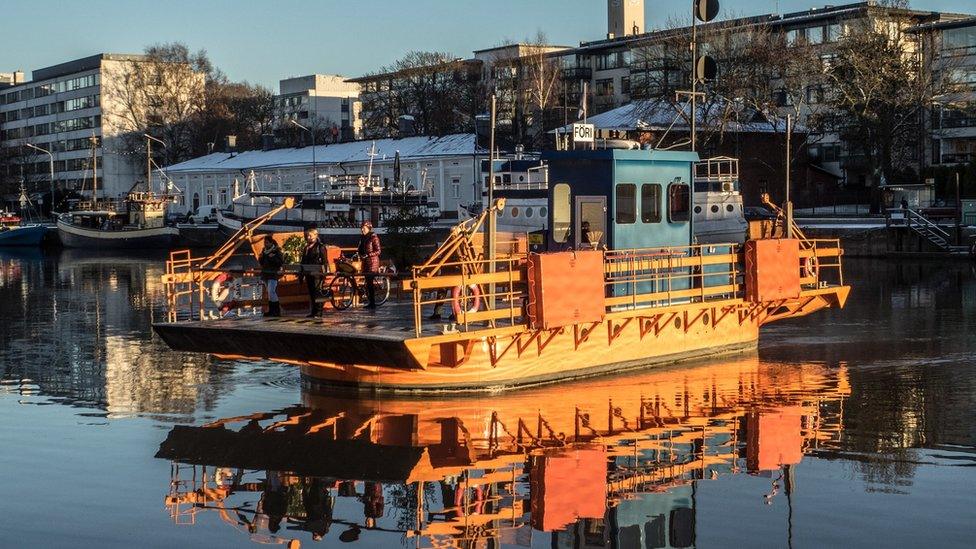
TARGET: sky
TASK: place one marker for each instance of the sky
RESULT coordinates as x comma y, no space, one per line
263,41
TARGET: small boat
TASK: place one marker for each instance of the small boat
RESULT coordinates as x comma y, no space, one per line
718,212
14,232
138,221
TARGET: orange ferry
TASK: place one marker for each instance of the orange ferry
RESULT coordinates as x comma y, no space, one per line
616,283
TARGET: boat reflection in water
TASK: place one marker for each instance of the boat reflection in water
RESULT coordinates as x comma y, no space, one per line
599,463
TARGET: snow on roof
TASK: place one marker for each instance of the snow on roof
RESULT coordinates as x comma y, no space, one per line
660,115
356,151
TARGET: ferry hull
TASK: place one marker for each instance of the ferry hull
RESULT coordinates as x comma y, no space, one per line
79,237
486,360
23,236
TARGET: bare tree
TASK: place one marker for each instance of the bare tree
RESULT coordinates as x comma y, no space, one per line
879,91
438,90
159,94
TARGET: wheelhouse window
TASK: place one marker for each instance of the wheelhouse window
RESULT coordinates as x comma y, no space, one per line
679,202
561,212
650,203
626,204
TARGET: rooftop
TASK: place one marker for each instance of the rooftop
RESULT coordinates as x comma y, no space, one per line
354,151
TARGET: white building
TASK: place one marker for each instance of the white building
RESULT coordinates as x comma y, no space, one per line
325,103
449,167
60,110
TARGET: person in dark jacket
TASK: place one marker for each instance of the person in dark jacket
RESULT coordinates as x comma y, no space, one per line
271,261
313,258
369,251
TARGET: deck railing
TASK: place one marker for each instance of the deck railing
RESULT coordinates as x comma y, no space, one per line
636,278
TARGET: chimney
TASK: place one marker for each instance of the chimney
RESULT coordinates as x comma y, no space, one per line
624,17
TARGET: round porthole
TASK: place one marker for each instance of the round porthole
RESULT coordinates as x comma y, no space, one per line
529,212
543,212
697,209
521,178
714,208
515,212
705,319
730,208
677,323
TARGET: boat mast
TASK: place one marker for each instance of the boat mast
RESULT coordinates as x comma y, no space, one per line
94,143
369,171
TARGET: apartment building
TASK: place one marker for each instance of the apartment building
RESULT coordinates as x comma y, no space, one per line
65,109
325,103
950,46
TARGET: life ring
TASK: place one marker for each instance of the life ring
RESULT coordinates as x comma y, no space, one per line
224,290
811,267
474,293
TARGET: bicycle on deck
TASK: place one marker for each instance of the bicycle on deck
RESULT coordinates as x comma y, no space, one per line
348,286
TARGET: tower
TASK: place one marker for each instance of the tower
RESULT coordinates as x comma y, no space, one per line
624,17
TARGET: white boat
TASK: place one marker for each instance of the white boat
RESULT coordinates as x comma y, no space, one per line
718,213
137,222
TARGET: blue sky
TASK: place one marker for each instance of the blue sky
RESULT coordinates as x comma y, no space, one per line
264,41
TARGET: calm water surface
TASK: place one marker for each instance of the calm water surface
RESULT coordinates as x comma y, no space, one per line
848,428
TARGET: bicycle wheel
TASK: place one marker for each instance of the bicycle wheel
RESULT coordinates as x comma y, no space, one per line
381,287
343,289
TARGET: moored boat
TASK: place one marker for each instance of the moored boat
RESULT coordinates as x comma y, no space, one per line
621,287
14,232
136,222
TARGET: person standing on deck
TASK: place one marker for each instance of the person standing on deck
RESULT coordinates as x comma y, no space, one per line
369,251
313,258
271,261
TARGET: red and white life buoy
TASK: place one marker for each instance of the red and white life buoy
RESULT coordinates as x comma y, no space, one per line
225,291
810,267
474,294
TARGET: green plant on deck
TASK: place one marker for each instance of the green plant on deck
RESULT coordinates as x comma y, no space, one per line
293,249
408,238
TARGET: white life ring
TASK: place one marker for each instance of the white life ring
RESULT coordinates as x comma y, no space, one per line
225,290
811,267
474,294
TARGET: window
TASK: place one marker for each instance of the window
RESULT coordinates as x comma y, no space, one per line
679,202
834,32
964,37
561,212
455,188
604,87
222,194
625,85
650,203
210,197
626,204
815,35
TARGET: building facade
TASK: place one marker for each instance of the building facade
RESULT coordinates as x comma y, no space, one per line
448,167
324,103
76,111
951,47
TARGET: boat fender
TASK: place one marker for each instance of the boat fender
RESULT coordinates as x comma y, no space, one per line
474,293
810,267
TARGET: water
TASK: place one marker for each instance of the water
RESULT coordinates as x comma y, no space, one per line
853,427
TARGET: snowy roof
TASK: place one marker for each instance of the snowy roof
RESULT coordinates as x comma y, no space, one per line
661,115
356,151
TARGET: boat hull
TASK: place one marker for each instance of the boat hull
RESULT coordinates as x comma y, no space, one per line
32,235
394,360
78,237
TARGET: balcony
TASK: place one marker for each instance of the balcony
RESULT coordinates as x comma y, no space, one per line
577,73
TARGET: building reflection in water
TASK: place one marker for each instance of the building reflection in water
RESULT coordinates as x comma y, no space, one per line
594,464
77,327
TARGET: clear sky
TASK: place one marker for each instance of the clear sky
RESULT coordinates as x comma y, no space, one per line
263,41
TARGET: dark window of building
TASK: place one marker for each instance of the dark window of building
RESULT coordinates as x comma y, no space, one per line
626,204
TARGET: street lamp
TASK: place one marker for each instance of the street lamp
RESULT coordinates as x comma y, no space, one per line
51,165
315,175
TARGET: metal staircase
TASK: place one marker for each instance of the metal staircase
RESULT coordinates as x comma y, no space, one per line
922,226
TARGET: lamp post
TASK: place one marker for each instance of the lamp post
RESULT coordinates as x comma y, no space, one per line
50,165
315,175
